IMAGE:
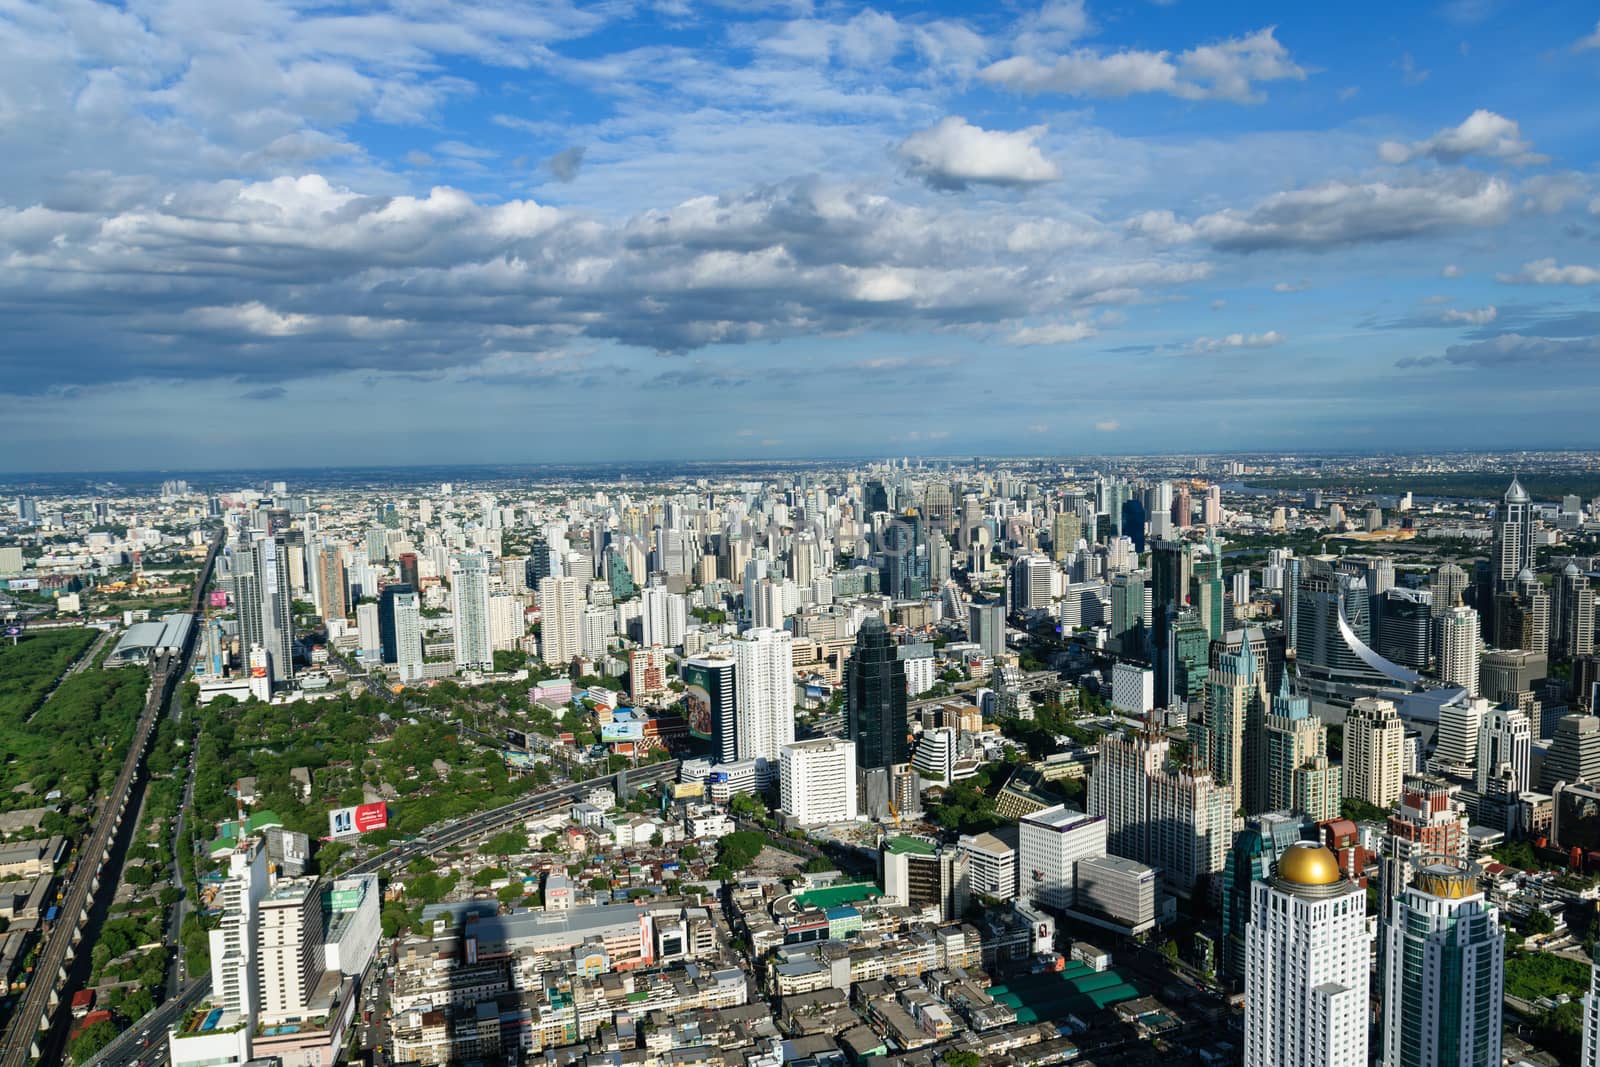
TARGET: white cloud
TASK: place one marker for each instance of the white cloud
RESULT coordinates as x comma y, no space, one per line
1108,425
1338,213
1482,133
1473,316
1237,340
1451,271
1228,70
1291,287
1063,333
1583,44
1546,272
955,153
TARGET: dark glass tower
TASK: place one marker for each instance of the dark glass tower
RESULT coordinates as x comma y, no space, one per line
386,627
876,698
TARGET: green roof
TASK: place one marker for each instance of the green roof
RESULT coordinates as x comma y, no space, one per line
912,844
836,895
260,819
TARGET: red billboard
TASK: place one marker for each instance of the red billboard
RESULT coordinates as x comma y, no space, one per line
371,816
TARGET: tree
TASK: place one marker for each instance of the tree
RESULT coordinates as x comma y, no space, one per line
961,1058
507,843
549,842
91,1039
739,850
1539,922
599,882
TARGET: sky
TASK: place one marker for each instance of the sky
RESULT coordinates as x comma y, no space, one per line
262,233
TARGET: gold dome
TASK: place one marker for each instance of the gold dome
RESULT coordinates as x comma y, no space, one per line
1308,863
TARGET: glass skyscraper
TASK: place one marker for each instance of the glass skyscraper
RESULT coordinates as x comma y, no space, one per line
876,698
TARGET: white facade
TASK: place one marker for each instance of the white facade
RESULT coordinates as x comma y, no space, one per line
354,925
1459,645
233,941
1133,688
818,781
367,627
1050,844
289,950
991,865
408,636
1306,971
1591,1018
764,680
561,608
507,621
1504,737
920,676
935,756
469,606
664,616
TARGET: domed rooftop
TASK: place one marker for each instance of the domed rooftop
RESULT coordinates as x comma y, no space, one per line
1526,575
1516,494
1572,570
1308,863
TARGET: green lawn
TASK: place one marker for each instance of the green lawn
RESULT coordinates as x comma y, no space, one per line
1531,975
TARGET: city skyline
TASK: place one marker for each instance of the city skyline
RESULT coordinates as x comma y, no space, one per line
389,234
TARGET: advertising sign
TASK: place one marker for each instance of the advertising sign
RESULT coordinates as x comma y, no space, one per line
363,818
622,730
517,739
219,598
697,700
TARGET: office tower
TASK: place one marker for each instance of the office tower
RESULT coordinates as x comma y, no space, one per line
1171,570
469,606
1448,586
664,616
1460,639
289,953
1455,745
1182,508
1444,971
874,497
903,574
264,603
711,703
817,781
939,560
1177,820
991,864
1299,776
1236,708
370,643
875,698
1513,537
1405,627
411,576
1050,844
1306,980
1574,614
1032,583
1574,754
1212,513
1425,822
1379,574
543,561
938,505
561,615
1333,635
235,982
1251,859
400,631
1505,740
27,511
1133,520
986,627
1127,615
618,575
1208,594
331,582
1065,530
921,875
764,682
1374,752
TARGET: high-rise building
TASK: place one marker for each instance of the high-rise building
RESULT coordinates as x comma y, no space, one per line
903,573
664,617
920,874
289,950
1032,583
235,979
469,607
875,698
406,620
1299,776
1405,626
1374,752
1236,709
1505,740
1306,965
764,681
986,627
817,781
1591,1015
412,576
1065,530
261,587
1128,593
332,585
1176,820
1426,821
1187,659
561,604
1251,859
1050,844
1448,586
1444,971
1334,659
1575,615
647,672
1513,537
1171,571
1574,754
991,865
710,703
1460,643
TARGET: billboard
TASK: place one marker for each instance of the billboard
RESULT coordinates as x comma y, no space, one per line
517,739
623,730
219,598
347,894
697,700
363,818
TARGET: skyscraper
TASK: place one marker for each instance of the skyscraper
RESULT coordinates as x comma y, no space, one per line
410,574
1127,615
1374,752
764,681
1306,969
1298,777
261,585
986,627
1444,971
1460,641
1425,822
1513,537
1174,819
817,780
331,582
710,703
876,698
1449,584
469,606
1236,706
1574,754
1591,1014
405,609
1505,739
1574,614
1171,569
560,621
1251,859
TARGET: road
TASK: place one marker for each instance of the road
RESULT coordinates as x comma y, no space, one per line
33,1011
146,1040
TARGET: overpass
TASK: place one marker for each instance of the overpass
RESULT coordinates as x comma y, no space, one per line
34,1011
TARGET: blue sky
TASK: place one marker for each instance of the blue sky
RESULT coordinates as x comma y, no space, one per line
297,233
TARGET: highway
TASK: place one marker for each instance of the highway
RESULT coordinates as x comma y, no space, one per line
33,1011
145,1042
